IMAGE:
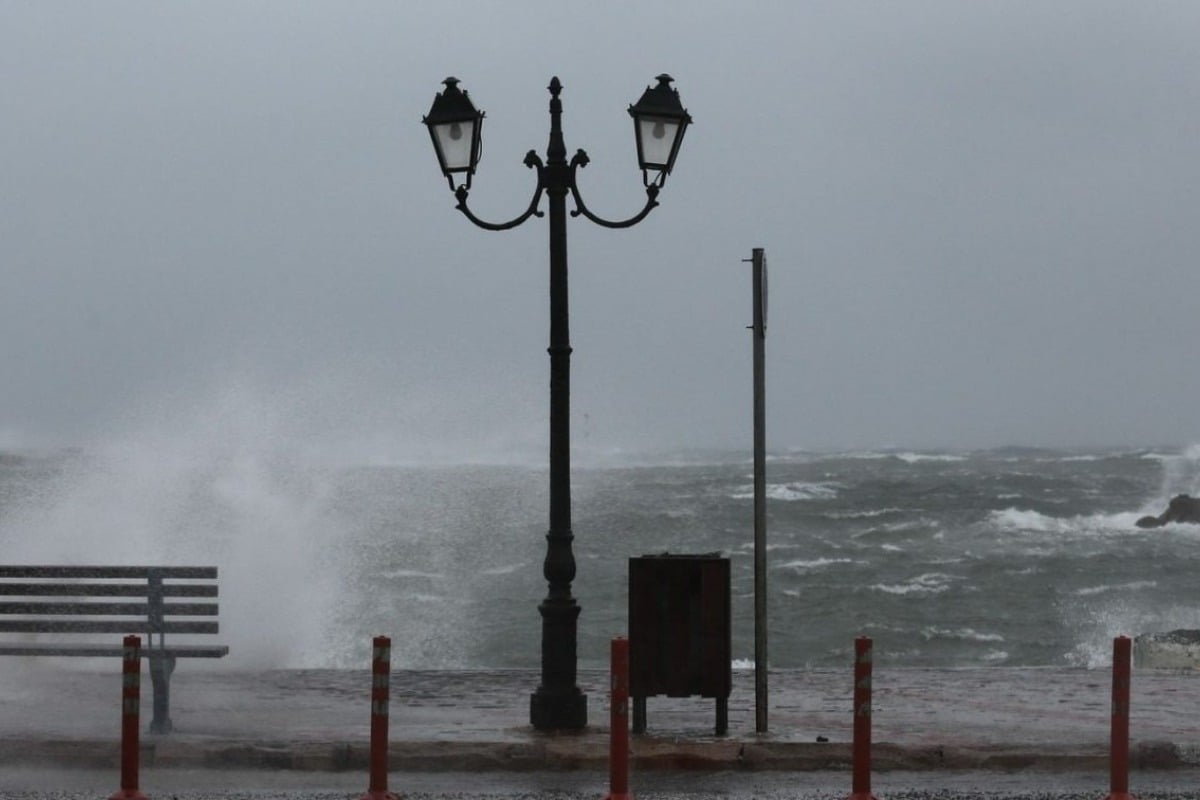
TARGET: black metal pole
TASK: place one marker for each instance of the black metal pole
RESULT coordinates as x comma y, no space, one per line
558,702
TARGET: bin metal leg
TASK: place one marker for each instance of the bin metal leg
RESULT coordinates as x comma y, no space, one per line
639,714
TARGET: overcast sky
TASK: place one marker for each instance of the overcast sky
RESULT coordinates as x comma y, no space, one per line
980,219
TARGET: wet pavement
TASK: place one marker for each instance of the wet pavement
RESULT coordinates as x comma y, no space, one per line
182,784
53,713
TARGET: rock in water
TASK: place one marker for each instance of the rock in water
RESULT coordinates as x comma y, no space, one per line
1182,508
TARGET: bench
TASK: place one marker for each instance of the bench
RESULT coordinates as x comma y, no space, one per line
57,600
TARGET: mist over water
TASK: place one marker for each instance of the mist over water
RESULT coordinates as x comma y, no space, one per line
998,557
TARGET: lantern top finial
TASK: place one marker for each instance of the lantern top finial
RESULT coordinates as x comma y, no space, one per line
452,105
660,100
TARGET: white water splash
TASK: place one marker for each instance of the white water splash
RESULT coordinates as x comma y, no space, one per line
1097,624
1181,475
215,486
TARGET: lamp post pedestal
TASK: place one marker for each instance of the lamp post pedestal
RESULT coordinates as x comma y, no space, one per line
558,712
559,705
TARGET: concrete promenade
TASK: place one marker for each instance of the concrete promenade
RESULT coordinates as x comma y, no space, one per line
54,713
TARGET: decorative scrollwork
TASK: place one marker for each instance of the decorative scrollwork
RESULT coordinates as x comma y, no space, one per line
533,161
581,160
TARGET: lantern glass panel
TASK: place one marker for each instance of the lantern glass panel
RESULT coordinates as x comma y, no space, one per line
455,141
656,135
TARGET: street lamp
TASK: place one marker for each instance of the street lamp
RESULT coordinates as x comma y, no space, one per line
455,126
659,122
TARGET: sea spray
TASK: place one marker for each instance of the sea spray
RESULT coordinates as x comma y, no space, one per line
1180,475
218,489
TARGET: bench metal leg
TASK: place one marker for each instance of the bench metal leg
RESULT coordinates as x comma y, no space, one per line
722,716
160,676
639,715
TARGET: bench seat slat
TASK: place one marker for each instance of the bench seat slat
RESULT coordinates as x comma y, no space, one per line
104,650
103,626
110,609
104,590
29,571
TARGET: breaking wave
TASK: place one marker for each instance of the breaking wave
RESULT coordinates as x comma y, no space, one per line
963,634
929,583
816,563
1016,520
869,514
1090,591
790,492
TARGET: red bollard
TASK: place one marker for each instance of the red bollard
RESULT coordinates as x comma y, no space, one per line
131,700
861,786
1119,752
381,673
618,752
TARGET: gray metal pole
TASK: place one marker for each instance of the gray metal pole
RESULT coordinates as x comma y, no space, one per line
760,493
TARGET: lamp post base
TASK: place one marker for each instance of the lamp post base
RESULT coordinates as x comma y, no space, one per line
551,710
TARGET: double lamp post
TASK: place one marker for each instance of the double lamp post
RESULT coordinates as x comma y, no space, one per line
659,122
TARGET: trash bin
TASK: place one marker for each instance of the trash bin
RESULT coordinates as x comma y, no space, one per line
679,631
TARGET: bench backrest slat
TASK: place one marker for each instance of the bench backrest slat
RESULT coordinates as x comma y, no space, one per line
198,573
102,626
73,599
109,609
15,589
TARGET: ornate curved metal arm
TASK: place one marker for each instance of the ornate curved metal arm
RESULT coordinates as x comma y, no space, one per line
581,160
532,161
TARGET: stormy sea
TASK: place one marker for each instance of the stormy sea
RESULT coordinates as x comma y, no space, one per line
1001,557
